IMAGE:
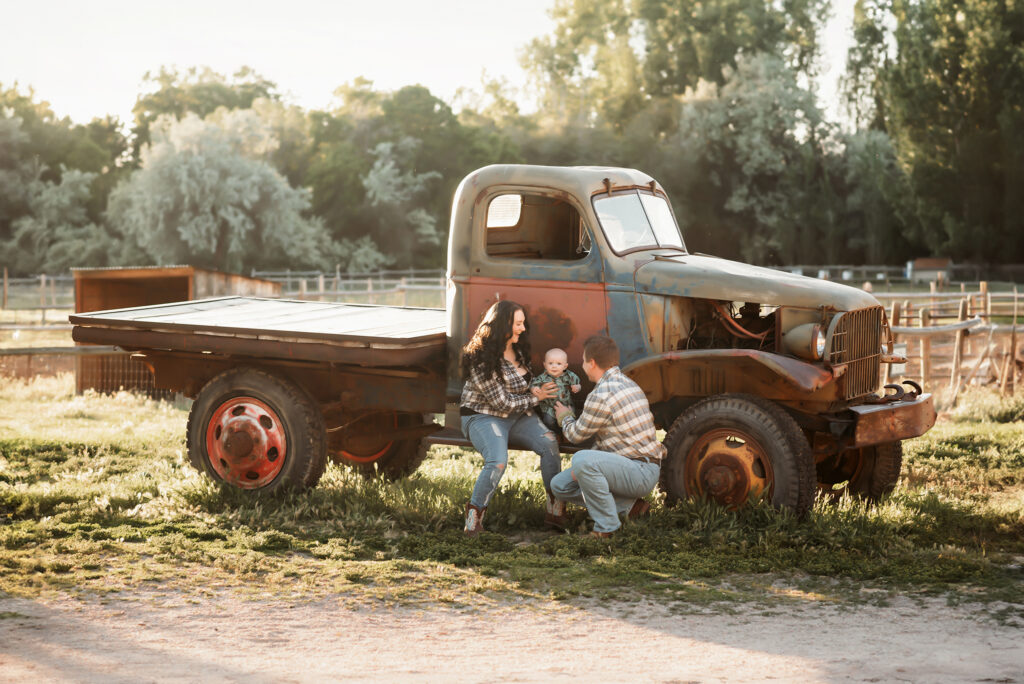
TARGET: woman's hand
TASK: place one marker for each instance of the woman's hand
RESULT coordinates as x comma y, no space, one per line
546,391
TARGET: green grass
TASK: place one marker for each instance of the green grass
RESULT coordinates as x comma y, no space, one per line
96,495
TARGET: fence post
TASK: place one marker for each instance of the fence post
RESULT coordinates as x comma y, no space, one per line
405,292
369,290
958,352
981,357
302,288
320,284
42,289
894,321
1004,372
5,288
1013,348
983,290
926,347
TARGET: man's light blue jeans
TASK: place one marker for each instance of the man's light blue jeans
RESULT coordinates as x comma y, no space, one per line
492,436
607,484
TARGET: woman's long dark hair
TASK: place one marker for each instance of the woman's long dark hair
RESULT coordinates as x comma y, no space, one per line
485,349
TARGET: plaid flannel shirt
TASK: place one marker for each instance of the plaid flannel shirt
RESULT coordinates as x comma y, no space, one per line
498,396
618,412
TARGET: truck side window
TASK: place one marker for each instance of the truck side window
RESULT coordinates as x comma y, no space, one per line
527,226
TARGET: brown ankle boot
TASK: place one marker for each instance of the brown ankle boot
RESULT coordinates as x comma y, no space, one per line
640,509
554,513
474,520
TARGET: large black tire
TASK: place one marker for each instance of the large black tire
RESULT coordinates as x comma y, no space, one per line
257,431
731,447
869,472
380,457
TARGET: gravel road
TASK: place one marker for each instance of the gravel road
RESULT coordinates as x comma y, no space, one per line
176,638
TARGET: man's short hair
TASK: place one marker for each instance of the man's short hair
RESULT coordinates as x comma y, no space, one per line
602,350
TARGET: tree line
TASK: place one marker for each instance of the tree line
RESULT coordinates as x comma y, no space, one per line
715,98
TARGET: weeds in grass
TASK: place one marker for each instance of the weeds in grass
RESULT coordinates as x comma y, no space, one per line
87,504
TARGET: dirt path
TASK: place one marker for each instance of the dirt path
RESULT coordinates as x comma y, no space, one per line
228,639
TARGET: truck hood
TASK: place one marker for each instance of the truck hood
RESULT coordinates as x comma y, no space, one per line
707,277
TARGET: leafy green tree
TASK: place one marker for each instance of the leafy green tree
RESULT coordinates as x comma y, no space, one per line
608,61
45,218
695,39
393,189
757,164
56,233
949,91
17,172
53,144
199,91
385,164
204,196
873,184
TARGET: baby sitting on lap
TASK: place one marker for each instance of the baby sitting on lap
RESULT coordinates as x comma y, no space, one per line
556,370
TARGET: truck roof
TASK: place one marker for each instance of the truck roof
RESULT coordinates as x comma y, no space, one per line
583,181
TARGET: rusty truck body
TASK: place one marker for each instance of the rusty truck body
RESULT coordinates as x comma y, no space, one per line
766,383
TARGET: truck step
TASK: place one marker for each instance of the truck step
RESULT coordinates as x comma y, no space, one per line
453,437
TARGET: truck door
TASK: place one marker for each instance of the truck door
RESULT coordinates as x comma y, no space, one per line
535,248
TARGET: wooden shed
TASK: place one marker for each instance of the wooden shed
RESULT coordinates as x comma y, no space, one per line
100,289
927,269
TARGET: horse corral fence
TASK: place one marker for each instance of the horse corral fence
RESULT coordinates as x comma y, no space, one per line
951,339
956,339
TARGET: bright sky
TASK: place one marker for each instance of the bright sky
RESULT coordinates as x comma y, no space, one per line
87,59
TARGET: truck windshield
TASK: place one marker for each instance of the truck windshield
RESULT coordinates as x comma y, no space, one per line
637,220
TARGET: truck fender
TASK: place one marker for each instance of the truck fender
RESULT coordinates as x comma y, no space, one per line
704,372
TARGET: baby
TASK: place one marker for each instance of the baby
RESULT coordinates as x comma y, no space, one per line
556,370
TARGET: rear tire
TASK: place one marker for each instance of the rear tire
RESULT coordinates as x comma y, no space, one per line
870,472
731,447
372,454
257,431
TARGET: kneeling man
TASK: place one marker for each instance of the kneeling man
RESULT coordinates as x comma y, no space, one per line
623,467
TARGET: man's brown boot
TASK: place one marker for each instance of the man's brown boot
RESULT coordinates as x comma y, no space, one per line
474,520
640,509
554,513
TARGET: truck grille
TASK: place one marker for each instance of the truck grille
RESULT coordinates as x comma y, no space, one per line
856,340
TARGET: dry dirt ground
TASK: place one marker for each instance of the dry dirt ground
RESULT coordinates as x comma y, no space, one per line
176,638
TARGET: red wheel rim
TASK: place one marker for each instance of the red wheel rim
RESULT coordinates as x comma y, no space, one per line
728,465
368,451
246,443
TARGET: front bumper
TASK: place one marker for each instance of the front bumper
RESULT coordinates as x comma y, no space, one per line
884,423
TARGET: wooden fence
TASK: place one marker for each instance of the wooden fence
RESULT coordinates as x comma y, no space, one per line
954,340
403,291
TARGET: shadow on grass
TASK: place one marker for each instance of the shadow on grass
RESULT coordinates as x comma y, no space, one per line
131,507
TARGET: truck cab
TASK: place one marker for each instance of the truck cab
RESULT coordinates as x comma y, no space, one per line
713,343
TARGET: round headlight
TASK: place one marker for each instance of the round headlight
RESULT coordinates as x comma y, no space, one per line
806,341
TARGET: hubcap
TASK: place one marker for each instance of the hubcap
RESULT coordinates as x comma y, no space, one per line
246,443
729,466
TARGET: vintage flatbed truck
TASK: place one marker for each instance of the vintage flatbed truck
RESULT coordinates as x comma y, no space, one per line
767,383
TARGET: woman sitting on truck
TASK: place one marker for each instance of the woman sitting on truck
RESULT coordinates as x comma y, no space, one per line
496,407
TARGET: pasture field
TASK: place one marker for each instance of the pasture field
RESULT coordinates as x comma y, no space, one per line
97,496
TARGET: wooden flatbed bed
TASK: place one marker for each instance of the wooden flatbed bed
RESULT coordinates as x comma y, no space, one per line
352,334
